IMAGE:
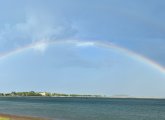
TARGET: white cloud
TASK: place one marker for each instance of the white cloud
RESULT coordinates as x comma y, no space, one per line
41,47
84,44
35,28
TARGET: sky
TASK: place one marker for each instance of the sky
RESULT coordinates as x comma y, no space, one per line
108,47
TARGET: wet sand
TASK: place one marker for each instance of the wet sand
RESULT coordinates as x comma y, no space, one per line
15,117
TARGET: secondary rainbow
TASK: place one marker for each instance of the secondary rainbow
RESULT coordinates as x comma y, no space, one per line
131,54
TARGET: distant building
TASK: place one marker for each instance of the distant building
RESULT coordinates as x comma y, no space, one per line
43,93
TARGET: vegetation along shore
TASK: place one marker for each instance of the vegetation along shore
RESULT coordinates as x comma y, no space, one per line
48,94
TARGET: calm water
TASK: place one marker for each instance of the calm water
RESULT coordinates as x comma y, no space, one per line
85,108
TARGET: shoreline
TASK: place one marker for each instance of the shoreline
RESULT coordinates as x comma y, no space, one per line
111,97
4,116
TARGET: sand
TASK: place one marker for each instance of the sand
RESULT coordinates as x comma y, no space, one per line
15,117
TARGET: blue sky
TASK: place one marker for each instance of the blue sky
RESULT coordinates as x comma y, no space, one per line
136,25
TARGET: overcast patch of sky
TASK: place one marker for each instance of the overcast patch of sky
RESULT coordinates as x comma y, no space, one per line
137,25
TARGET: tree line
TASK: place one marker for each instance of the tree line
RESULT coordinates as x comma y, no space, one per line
49,94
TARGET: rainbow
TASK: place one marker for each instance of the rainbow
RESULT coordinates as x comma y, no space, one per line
131,54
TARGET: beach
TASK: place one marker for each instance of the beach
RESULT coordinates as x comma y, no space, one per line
16,117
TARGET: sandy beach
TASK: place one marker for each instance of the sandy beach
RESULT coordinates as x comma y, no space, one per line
15,117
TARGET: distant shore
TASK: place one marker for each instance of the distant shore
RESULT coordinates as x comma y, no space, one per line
49,94
102,97
45,94
16,117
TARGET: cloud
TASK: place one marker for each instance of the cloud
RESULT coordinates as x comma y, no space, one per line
35,27
40,47
85,44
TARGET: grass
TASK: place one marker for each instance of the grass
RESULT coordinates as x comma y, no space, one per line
4,118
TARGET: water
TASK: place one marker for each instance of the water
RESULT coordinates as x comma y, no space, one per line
85,108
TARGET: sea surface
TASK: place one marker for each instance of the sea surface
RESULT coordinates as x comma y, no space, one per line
84,108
